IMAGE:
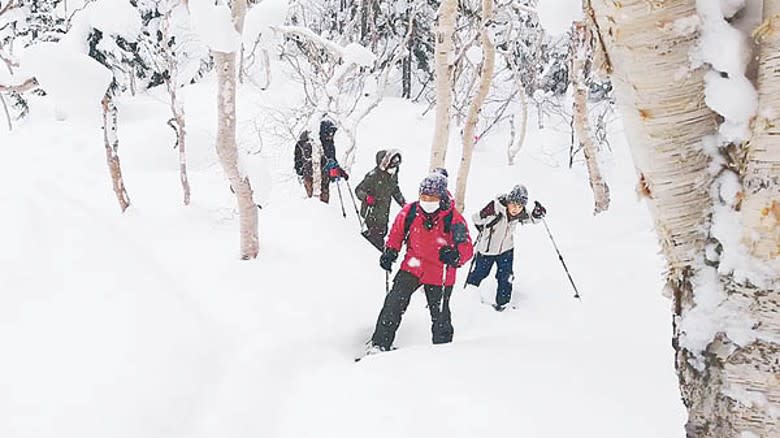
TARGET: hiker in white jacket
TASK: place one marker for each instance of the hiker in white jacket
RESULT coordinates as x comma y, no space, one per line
496,223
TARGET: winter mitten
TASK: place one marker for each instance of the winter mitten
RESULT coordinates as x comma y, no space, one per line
370,200
449,256
343,173
387,259
538,212
334,173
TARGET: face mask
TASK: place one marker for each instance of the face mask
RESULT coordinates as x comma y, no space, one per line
392,170
429,206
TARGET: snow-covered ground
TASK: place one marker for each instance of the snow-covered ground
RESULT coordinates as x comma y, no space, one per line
147,325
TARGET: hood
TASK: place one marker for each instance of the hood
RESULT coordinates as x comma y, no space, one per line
383,158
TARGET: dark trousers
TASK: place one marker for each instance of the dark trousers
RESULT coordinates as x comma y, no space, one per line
376,235
308,184
482,266
396,302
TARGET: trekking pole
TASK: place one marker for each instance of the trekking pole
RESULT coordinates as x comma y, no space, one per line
387,282
341,200
354,204
560,257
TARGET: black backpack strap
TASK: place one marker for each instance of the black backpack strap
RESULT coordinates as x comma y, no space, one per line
448,222
409,219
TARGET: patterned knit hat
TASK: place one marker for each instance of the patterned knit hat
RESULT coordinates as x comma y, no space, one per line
434,185
518,195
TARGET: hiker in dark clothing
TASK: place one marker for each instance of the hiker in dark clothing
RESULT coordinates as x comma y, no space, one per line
329,166
375,192
437,242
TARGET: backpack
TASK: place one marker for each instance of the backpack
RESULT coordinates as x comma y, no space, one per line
413,213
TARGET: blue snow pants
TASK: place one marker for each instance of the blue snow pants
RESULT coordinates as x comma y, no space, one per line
482,266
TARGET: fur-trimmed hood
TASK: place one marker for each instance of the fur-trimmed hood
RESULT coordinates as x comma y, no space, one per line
383,158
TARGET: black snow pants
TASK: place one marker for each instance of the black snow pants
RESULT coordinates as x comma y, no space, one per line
396,303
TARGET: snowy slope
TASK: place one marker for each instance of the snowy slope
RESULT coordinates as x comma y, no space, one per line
147,325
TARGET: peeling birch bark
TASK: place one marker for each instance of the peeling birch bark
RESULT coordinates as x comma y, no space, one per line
761,207
729,385
111,141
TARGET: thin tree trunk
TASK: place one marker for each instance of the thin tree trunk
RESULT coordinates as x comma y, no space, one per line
267,68
729,384
485,80
517,143
7,113
111,141
177,109
241,65
581,43
227,150
406,63
443,74
179,127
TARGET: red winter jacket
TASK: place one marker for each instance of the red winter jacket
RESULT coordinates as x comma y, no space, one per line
422,246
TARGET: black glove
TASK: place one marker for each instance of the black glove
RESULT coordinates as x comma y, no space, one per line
387,259
538,212
449,256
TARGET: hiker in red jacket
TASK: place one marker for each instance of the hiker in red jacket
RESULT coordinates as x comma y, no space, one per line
437,243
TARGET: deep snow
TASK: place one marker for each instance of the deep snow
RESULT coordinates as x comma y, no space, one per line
147,325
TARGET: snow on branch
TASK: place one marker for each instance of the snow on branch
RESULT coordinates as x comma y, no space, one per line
27,85
352,53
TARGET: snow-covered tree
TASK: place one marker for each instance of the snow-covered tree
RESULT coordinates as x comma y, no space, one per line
582,52
221,28
176,58
483,87
334,79
445,29
700,179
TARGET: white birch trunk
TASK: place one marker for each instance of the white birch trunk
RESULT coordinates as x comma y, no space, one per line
485,80
731,388
581,51
177,109
7,113
443,76
178,123
227,149
761,207
518,137
267,69
111,142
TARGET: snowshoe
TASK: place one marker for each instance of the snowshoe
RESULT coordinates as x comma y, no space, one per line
372,350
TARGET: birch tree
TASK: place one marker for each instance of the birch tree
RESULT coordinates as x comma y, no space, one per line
443,75
726,332
761,207
227,149
178,121
485,80
581,53
111,142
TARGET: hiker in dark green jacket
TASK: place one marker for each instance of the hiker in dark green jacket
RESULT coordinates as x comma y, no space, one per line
375,191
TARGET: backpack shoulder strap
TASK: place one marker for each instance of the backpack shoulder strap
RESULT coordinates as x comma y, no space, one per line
409,219
448,221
